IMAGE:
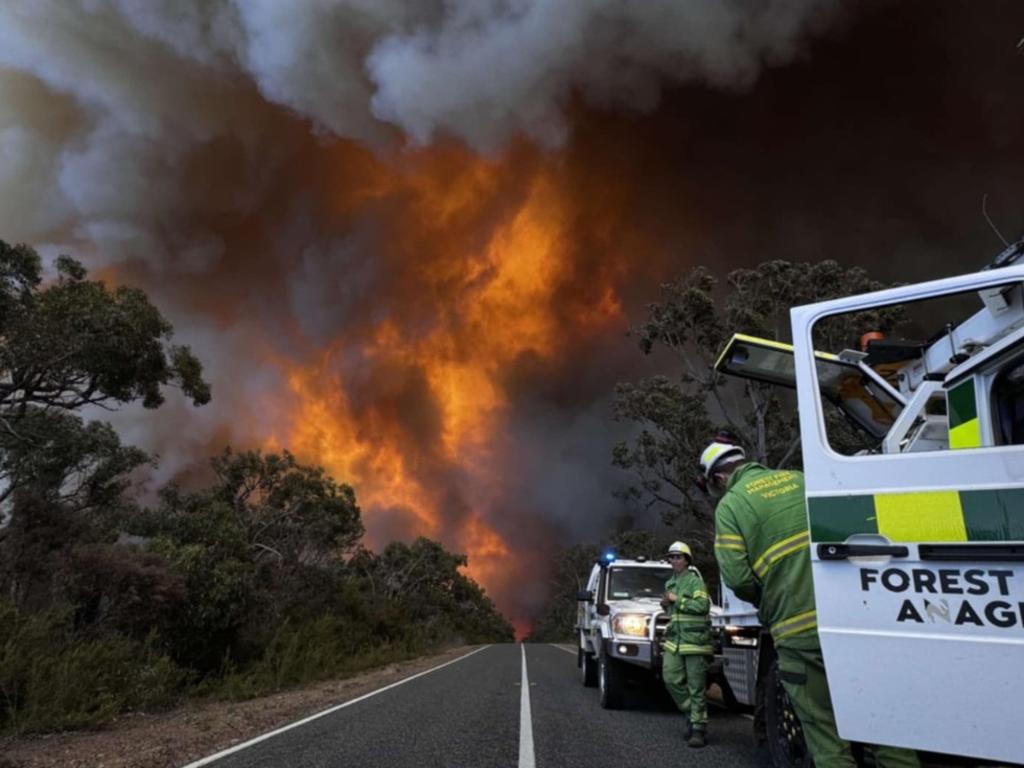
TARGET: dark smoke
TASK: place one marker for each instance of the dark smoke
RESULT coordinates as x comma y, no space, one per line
224,155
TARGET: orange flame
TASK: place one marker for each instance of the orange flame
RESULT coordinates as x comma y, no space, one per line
492,254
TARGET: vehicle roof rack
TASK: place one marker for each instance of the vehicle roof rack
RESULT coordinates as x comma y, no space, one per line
882,351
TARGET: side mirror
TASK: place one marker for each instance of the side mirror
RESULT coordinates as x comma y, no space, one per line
603,609
585,596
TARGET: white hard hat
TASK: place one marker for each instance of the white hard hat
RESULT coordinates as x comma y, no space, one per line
714,454
679,548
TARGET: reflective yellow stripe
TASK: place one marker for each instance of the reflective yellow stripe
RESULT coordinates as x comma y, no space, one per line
673,647
967,435
794,625
711,456
928,516
700,594
730,541
683,618
778,551
757,341
734,547
684,648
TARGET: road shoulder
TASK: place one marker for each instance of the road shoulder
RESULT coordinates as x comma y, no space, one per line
197,729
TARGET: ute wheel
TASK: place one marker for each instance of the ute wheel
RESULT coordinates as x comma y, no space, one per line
783,732
728,697
588,668
610,683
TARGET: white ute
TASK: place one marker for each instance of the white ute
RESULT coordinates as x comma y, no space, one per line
620,622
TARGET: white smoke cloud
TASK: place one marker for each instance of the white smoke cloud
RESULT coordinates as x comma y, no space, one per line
489,70
103,101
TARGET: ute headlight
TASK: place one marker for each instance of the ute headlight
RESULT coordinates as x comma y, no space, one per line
630,624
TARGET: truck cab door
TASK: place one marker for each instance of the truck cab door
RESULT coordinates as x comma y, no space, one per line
918,557
859,393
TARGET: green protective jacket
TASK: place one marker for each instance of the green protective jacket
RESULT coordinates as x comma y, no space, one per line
689,628
763,550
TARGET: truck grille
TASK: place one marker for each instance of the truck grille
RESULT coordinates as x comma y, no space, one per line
660,625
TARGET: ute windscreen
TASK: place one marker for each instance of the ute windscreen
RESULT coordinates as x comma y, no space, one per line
634,583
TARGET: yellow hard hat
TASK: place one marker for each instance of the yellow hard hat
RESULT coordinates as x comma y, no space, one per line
679,548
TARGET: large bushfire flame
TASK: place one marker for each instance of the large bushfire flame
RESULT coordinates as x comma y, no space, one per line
488,278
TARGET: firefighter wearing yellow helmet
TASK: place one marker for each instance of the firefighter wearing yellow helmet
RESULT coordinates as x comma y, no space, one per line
687,641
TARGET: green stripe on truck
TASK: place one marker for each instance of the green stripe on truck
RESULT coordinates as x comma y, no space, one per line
994,515
988,515
834,518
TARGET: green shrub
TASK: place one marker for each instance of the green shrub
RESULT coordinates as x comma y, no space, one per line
51,679
325,648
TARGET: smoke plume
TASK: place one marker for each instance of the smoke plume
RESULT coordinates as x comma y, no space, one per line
406,237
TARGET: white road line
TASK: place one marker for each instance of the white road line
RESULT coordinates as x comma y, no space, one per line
265,736
526,756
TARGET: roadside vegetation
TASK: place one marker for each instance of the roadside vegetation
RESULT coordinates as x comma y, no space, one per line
255,581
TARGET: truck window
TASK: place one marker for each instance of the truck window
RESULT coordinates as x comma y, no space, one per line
1008,404
633,583
859,405
923,350
870,406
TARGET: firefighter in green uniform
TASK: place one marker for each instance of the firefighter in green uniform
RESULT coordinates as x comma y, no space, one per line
762,545
684,666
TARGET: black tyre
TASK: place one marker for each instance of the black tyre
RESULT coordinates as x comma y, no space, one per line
728,697
610,683
784,736
588,668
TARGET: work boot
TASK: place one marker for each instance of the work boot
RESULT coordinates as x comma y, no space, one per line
697,738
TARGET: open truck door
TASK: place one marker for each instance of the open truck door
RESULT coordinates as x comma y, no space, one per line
858,392
917,546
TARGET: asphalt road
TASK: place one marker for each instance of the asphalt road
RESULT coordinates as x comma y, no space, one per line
472,712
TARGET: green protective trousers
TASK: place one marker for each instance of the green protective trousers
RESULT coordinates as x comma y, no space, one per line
686,679
803,676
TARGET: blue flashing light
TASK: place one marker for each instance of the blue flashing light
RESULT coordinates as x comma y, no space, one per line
609,556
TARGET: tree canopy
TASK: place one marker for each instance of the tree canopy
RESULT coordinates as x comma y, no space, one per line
75,342
66,344
290,511
678,414
247,583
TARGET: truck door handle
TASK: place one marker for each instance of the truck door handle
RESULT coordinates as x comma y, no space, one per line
845,551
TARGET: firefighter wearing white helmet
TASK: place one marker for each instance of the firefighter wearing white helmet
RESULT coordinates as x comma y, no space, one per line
763,550
721,452
687,640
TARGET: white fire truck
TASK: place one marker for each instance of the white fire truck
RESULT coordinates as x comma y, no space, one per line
620,624
917,537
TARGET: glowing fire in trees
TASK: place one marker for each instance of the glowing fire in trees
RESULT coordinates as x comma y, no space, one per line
406,406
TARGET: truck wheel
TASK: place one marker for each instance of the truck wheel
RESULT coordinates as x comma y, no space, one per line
588,669
728,697
784,734
610,683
